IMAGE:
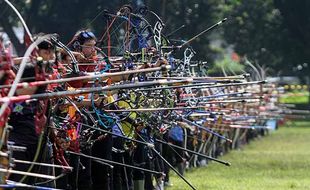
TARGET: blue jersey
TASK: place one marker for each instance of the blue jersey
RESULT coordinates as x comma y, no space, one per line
176,133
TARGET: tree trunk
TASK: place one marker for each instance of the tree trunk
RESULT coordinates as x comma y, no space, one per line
8,28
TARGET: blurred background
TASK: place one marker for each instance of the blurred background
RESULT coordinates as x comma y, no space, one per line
273,35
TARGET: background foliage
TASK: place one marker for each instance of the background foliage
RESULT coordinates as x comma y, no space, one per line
271,33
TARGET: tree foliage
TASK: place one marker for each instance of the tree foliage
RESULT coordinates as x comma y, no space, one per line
227,66
270,32
273,33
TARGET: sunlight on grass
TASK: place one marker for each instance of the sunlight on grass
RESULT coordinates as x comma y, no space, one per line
295,98
279,161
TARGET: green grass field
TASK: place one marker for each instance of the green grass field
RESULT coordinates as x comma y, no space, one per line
295,98
279,161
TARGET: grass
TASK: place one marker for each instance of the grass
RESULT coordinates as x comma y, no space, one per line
279,161
295,98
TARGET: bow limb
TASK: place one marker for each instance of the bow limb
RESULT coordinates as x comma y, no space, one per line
19,75
20,18
21,70
75,67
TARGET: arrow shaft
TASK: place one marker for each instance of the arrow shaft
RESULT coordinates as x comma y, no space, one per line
87,77
84,91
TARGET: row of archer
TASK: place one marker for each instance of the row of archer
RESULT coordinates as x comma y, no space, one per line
91,120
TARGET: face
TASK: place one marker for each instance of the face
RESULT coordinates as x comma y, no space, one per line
47,54
88,48
66,60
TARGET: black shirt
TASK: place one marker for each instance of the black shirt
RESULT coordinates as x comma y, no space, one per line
22,119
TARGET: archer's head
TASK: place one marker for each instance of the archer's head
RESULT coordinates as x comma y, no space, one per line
84,41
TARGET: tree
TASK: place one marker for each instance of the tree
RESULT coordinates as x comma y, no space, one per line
196,15
55,16
227,66
296,21
269,32
255,30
